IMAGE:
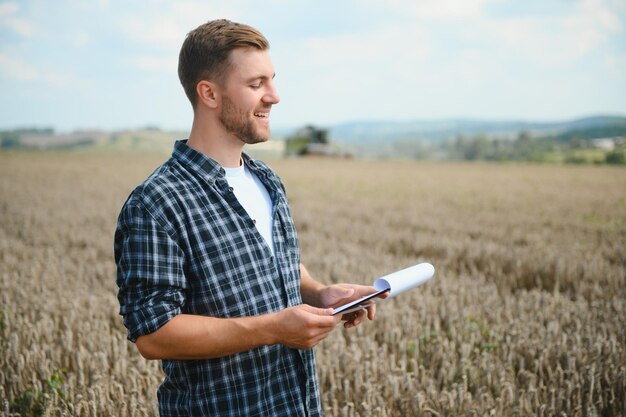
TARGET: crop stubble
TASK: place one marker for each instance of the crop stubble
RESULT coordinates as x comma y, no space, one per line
525,315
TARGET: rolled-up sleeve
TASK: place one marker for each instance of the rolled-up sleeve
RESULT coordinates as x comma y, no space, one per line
150,272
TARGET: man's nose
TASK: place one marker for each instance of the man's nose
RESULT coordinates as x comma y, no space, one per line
271,97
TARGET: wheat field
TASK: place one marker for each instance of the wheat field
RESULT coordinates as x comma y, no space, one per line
526,314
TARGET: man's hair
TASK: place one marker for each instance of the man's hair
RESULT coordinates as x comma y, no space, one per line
205,54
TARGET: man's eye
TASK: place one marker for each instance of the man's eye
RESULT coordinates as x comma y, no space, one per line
255,86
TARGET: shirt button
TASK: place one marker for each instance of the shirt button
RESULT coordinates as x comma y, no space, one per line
230,189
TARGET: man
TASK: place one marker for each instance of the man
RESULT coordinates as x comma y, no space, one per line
209,272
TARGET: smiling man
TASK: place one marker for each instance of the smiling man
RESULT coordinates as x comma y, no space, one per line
209,272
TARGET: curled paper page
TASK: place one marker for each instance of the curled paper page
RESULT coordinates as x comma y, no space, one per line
405,279
395,283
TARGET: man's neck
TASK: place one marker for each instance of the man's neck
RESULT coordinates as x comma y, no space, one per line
217,145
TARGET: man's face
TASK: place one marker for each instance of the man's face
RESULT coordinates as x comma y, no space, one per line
248,96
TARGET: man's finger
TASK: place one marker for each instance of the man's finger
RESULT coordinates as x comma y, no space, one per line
345,292
353,319
318,311
326,318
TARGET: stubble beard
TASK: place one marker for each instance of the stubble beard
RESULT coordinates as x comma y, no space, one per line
240,124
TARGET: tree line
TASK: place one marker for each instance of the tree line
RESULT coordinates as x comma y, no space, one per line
569,147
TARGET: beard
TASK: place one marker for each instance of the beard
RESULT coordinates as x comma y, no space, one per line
240,123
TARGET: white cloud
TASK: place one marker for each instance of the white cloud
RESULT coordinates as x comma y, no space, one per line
89,4
157,31
544,39
168,65
444,58
80,40
21,26
166,24
60,80
17,69
356,53
439,9
591,25
8,8
350,76
540,41
14,23
20,70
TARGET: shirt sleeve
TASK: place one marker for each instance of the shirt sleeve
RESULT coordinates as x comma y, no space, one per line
150,272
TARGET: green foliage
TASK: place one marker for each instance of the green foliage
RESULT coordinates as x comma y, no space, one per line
28,131
615,158
9,140
411,348
429,338
482,148
575,159
32,402
570,149
582,136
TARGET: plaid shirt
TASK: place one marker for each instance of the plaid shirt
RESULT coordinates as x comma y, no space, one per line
184,244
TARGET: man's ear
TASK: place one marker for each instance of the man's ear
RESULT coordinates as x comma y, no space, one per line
208,93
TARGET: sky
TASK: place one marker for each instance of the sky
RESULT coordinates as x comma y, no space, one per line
109,64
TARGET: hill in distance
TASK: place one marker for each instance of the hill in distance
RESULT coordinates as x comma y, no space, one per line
369,134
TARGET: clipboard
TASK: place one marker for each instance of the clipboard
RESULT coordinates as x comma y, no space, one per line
359,304
395,283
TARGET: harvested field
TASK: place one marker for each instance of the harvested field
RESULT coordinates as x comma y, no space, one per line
526,314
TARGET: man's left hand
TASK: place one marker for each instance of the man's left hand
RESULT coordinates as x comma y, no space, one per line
339,294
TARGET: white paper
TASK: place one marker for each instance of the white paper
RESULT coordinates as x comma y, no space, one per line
397,283
405,279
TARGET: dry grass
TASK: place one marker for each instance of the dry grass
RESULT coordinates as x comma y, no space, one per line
525,316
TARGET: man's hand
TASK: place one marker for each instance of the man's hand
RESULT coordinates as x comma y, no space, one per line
304,326
340,294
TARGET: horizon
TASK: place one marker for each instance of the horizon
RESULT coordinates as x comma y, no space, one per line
111,65
283,129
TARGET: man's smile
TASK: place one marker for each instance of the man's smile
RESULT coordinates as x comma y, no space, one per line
262,117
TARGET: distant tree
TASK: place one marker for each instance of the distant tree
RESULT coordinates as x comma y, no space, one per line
523,137
9,140
615,158
575,159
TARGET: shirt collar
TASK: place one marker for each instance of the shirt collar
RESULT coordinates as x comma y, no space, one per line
196,161
203,165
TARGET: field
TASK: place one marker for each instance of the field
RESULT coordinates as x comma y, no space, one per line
526,314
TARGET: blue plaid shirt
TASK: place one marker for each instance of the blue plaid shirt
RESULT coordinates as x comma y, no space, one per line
184,244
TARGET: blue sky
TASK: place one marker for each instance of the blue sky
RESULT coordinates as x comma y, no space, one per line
110,64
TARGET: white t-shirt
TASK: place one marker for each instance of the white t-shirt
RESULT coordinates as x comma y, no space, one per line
254,198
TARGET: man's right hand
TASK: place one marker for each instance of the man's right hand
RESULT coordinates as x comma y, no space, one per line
201,337
303,326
